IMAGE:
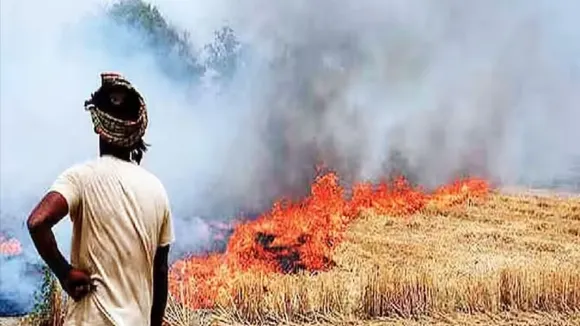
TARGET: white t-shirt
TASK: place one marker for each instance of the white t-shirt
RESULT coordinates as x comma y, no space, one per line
120,215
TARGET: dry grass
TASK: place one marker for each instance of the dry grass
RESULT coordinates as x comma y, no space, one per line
515,255
51,306
514,260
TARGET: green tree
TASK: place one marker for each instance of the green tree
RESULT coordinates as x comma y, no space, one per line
173,48
223,53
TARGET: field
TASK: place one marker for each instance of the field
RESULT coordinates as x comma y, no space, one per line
512,259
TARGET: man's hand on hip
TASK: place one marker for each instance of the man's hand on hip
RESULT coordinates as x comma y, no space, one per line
77,284
51,209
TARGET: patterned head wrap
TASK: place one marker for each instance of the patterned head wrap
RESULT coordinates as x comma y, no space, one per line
119,132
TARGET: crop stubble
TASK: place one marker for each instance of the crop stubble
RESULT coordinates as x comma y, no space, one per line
513,259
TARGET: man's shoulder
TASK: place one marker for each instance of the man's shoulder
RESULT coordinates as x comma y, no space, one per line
152,178
80,167
145,175
90,166
106,165
154,186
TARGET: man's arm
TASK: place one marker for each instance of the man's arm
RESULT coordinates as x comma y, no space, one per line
51,209
160,285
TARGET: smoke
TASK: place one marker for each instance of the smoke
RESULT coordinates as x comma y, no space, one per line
367,87
435,90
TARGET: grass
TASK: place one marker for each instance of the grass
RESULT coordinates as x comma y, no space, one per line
512,260
51,304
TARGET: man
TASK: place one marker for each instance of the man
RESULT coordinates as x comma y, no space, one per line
121,220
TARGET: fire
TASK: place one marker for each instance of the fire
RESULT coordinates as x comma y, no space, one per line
10,247
301,236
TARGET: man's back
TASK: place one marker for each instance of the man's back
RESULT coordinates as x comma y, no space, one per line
120,214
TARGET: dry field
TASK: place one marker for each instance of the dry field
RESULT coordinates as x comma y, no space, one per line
512,260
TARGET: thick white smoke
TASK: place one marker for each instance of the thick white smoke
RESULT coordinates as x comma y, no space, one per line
436,89
366,86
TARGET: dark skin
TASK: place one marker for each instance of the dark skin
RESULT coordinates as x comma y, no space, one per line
76,282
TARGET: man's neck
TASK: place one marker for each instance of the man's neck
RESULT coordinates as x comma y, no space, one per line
108,150
121,156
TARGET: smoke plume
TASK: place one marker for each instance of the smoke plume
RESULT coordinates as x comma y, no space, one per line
368,88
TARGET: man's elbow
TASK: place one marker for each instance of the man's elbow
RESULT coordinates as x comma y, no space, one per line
35,223
51,209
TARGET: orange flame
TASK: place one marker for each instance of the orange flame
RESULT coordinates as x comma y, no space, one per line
302,235
10,247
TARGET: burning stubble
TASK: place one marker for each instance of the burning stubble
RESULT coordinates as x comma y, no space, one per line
302,236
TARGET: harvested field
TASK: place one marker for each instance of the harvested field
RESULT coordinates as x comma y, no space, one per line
513,253
513,259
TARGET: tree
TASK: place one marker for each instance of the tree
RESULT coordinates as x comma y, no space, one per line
173,48
223,52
